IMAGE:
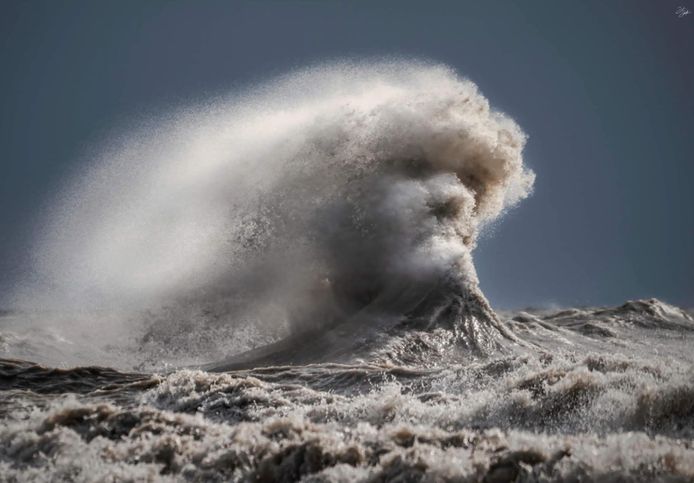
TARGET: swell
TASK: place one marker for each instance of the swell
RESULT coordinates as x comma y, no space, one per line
25,375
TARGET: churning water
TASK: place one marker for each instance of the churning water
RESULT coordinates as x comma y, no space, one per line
280,286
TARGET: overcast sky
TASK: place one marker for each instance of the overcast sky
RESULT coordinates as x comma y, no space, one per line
604,89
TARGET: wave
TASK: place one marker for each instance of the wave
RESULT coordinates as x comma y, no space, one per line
582,406
315,235
343,193
597,417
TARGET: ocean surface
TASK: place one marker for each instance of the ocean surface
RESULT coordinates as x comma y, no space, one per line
279,285
583,395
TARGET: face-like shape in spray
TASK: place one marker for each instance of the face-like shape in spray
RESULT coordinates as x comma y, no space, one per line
325,188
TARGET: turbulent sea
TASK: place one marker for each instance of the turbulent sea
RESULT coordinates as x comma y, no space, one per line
600,395
280,286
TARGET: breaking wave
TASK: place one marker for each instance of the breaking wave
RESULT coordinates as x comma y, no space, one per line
313,240
349,194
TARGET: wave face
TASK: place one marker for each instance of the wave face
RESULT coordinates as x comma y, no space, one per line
350,193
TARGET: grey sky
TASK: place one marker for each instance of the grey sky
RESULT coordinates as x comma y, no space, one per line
605,90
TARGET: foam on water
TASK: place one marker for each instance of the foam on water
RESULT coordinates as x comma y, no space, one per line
584,412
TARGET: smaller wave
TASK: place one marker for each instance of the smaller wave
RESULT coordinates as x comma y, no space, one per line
651,314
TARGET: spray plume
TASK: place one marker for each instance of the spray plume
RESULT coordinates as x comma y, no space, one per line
332,191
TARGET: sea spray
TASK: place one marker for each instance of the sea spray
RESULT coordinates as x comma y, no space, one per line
343,191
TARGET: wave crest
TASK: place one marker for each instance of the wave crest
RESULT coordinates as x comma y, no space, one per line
296,206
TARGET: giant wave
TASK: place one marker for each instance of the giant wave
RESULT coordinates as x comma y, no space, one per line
349,194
